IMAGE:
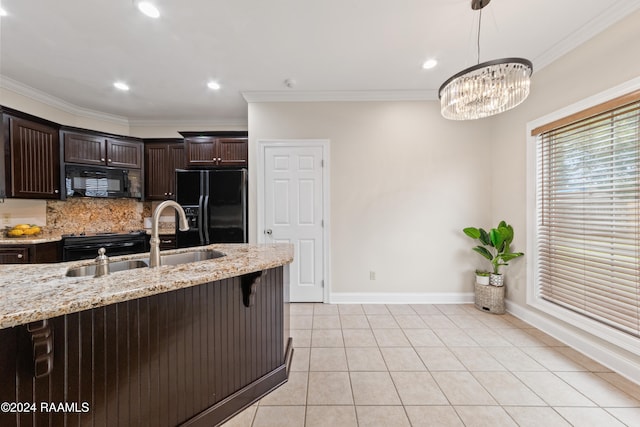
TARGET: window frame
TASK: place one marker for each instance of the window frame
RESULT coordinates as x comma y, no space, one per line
533,298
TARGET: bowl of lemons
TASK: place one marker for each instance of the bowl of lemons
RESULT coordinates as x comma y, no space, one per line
23,230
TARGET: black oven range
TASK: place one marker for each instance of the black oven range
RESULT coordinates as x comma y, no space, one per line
79,246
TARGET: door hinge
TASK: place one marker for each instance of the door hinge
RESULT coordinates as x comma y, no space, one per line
322,223
322,163
322,283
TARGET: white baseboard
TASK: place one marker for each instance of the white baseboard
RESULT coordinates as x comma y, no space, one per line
400,298
603,354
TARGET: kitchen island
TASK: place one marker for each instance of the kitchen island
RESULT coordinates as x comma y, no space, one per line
187,344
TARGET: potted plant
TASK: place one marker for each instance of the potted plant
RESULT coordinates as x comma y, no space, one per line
482,277
496,247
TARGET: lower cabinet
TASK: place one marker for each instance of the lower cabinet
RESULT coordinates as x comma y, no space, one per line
30,254
167,241
14,255
192,357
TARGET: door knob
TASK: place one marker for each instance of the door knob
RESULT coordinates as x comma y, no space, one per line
268,232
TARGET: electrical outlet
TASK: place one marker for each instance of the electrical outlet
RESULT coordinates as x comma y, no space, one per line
372,275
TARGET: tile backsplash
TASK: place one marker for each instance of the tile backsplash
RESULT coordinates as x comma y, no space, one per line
83,214
76,215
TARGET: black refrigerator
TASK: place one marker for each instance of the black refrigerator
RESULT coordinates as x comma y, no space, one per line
215,202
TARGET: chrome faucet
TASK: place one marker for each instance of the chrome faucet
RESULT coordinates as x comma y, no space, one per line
102,263
154,254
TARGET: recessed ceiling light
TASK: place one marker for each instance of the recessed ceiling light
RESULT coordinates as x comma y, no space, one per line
213,85
121,86
3,12
148,9
429,64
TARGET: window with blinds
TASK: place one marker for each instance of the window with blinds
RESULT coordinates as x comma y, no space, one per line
588,216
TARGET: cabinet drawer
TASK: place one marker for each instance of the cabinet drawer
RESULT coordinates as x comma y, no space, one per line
167,241
14,255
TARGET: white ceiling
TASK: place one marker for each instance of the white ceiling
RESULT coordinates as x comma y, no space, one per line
70,52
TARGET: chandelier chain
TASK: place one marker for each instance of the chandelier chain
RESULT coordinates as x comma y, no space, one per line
478,41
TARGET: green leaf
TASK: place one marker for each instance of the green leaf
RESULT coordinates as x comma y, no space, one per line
484,237
507,233
484,252
472,232
497,239
510,256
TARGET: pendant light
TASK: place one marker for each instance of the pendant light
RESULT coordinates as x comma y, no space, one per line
485,89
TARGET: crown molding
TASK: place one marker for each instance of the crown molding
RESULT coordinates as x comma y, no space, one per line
202,123
620,10
613,14
340,95
52,101
37,95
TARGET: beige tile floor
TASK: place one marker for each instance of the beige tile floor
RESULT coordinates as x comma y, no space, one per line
436,365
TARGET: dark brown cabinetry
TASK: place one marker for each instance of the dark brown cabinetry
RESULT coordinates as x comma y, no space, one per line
30,253
190,357
160,163
30,160
207,151
167,241
14,255
95,149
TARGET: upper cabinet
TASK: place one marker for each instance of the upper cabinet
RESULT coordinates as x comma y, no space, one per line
30,159
161,159
124,153
209,151
101,150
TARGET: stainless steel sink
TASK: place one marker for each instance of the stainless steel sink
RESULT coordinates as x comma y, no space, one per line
168,259
90,270
187,257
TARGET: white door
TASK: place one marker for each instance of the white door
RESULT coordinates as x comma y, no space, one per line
293,209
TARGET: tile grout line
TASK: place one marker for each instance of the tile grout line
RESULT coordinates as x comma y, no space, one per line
495,328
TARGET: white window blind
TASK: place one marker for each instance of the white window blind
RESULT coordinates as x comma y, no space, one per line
588,216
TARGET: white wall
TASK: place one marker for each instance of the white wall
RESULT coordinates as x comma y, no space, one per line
606,61
169,130
57,111
404,182
21,211
67,117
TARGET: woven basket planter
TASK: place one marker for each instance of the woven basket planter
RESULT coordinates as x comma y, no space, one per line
490,299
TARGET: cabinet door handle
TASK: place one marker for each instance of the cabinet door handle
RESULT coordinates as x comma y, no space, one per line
56,191
102,159
108,160
41,334
166,241
20,256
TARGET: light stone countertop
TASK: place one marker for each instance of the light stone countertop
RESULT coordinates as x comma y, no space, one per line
31,292
30,240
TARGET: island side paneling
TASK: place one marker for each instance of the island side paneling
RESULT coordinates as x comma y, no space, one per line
194,355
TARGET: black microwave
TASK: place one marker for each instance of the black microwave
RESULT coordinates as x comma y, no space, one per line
102,181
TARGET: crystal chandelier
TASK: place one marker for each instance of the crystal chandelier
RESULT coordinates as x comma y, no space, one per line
485,89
